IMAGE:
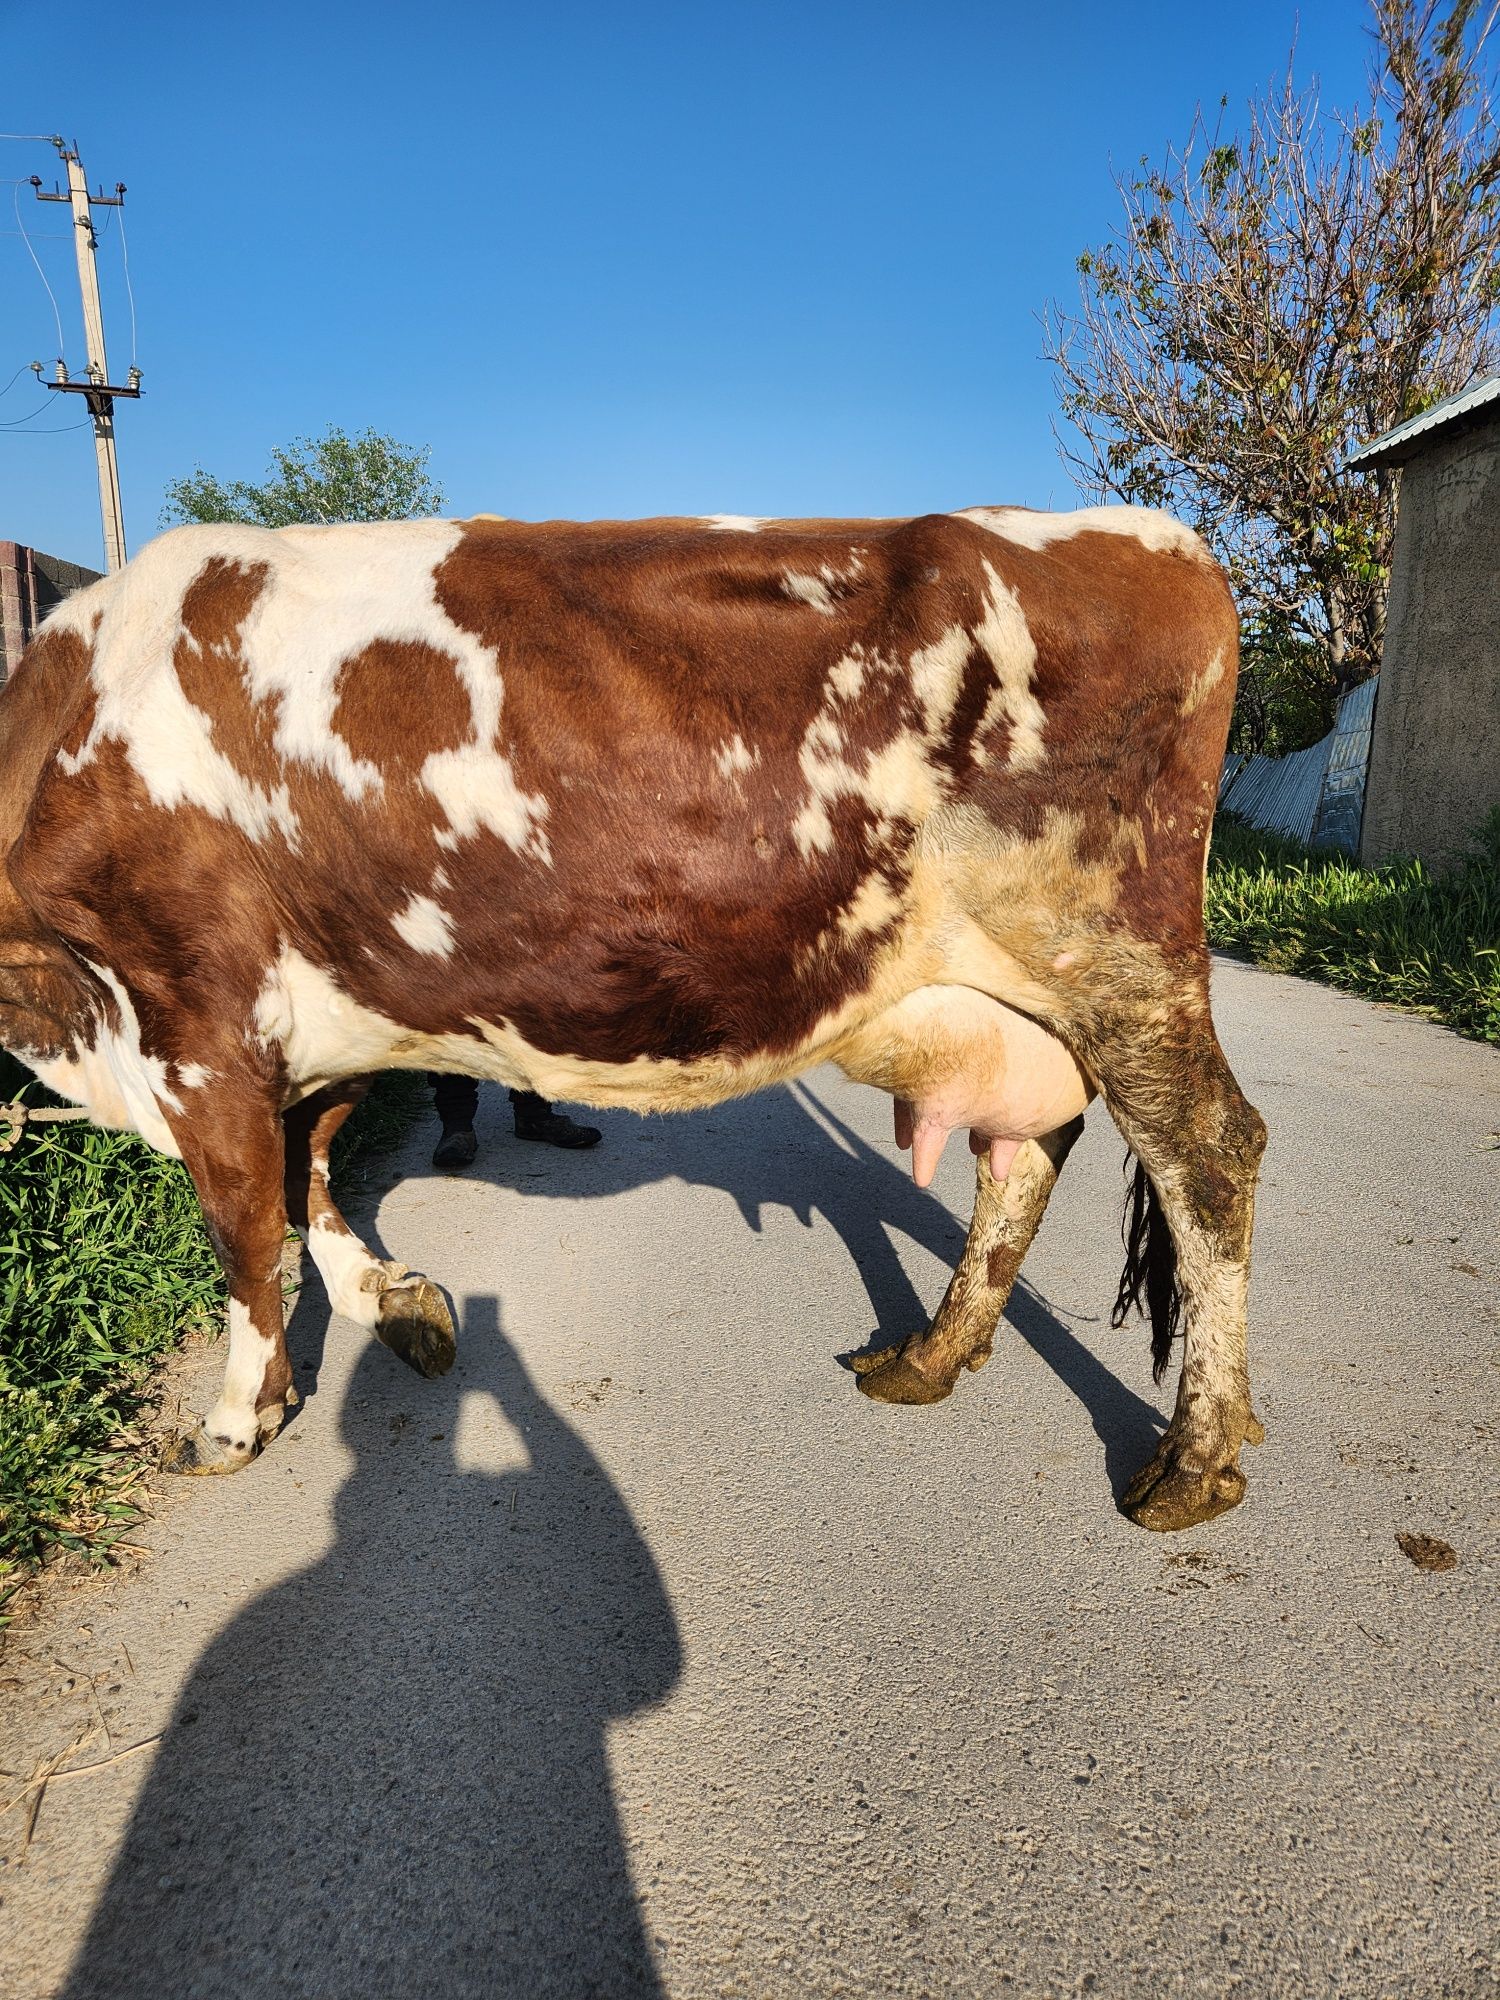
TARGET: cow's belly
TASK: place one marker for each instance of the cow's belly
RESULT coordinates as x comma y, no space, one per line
954,1058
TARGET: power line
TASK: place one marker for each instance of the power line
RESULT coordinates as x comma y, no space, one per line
56,315
129,288
15,378
54,430
41,138
15,422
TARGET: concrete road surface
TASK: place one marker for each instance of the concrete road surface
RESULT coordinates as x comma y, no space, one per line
643,1656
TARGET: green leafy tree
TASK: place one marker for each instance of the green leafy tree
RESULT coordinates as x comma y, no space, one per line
331,478
1274,296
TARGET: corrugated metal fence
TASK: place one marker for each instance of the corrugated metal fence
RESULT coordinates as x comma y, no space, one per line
1314,796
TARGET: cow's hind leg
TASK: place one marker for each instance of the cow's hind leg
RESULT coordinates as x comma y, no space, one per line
1175,1098
1006,1216
401,1308
232,1147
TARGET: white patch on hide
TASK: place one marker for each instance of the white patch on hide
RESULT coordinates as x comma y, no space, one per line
732,757
848,676
477,789
115,1081
936,672
874,906
1204,683
329,594
324,1034
233,1416
808,590
426,926
1032,529
139,700
344,1264
1006,638
735,524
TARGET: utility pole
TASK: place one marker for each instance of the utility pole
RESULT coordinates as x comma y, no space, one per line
98,391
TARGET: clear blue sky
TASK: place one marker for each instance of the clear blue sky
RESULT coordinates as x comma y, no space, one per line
603,259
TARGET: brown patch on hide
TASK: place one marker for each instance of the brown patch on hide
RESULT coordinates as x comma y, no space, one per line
679,916
45,706
46,1000
210,666
389,687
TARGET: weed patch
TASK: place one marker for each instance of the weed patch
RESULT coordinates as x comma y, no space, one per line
104,1265
1402,932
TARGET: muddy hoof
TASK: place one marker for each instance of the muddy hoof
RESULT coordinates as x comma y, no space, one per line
865,1360
416,1324
899,1380
197,1453
1167,1495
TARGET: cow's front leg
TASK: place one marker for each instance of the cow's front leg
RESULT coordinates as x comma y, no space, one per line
401,1308
1007,1214
232,1147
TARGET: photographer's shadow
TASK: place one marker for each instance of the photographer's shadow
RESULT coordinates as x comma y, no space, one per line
390,1774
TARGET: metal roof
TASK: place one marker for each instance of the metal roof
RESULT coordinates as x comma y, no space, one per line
1396,446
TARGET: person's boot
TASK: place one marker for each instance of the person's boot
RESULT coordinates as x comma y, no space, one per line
455,1150
535,1119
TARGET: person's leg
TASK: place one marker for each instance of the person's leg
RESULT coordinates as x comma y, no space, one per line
456,1100
536,1119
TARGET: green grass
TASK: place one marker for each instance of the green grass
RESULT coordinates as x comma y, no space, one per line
1402,932
104,1266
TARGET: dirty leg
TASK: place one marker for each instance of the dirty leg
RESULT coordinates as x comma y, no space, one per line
1007,1214
402,1309
233,1151
1200,1142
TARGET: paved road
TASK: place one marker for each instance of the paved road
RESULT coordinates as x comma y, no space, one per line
642,1656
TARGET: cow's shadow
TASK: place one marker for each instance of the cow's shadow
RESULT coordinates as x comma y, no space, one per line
389,1775
786,1149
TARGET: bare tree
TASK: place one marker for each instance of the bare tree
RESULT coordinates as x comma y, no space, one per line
1274,296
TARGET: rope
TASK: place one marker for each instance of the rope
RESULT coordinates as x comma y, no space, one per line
14,1118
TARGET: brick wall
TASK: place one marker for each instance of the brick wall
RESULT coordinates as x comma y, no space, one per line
30,585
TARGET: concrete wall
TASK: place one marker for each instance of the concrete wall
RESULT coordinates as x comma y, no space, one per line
1435,754
30,585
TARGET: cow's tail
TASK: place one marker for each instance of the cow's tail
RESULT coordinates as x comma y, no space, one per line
1149,1280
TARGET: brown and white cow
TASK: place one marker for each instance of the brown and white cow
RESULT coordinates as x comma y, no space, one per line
646,814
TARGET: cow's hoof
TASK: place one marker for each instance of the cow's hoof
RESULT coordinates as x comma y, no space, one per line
197,1453
865,1360
415,1323
899,1380
1167,1495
